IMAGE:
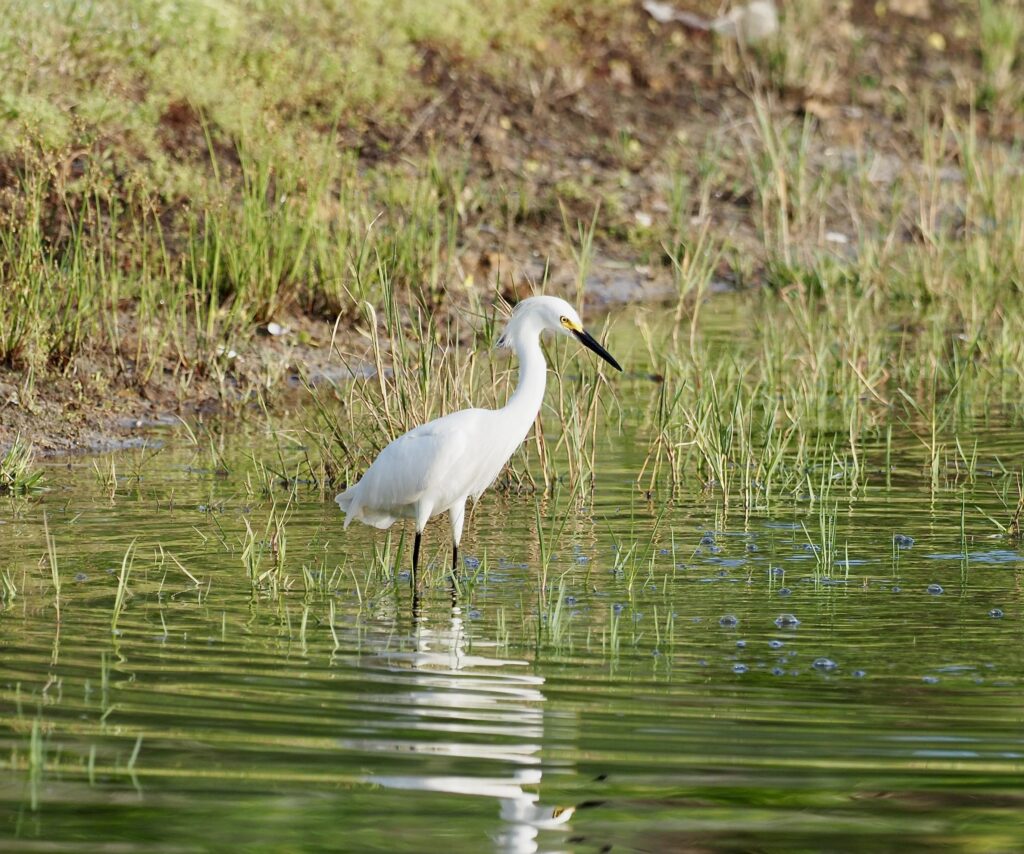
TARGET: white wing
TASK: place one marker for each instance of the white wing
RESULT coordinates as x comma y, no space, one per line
422,471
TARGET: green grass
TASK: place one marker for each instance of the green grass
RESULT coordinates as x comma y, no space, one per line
179,174
18,474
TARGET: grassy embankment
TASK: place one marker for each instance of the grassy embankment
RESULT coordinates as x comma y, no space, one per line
178,175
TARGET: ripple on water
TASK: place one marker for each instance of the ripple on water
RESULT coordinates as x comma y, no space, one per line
993,556
254,683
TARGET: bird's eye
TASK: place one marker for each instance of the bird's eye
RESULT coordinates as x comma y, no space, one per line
564,320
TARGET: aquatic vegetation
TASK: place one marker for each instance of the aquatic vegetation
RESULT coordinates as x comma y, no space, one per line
51,554
123,576
18,474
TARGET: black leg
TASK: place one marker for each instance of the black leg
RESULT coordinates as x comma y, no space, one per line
417,600
455,557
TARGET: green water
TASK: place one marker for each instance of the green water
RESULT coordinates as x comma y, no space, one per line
650,699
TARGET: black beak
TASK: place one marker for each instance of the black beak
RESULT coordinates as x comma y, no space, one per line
590,342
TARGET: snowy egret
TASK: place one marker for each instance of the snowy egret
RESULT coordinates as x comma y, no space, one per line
435,467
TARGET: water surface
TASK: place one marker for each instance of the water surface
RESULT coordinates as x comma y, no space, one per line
691,677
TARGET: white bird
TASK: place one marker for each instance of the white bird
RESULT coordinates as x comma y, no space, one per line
435,467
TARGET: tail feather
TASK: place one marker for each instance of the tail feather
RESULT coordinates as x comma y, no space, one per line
344,501
353,509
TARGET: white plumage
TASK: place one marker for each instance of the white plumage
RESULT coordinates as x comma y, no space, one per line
436,467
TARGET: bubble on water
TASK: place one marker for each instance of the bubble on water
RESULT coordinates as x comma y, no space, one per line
776,644
741,643
471,562
474,614
722,573
729,621
617,608
859,674
708,539
777,572
404,575
582,559
739,668
902,541
811,547
655,653
785,591
787,621
570,600
752,547
935,589
702,662
81,576
930,680
825,664
897,589
996,613
777,671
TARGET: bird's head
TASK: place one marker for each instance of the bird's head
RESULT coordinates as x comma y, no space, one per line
537,314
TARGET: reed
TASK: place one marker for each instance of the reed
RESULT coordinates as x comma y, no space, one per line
51,555
123,594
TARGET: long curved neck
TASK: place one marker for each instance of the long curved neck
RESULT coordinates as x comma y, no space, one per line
525,402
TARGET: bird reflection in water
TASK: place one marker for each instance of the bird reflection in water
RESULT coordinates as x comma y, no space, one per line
462,693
